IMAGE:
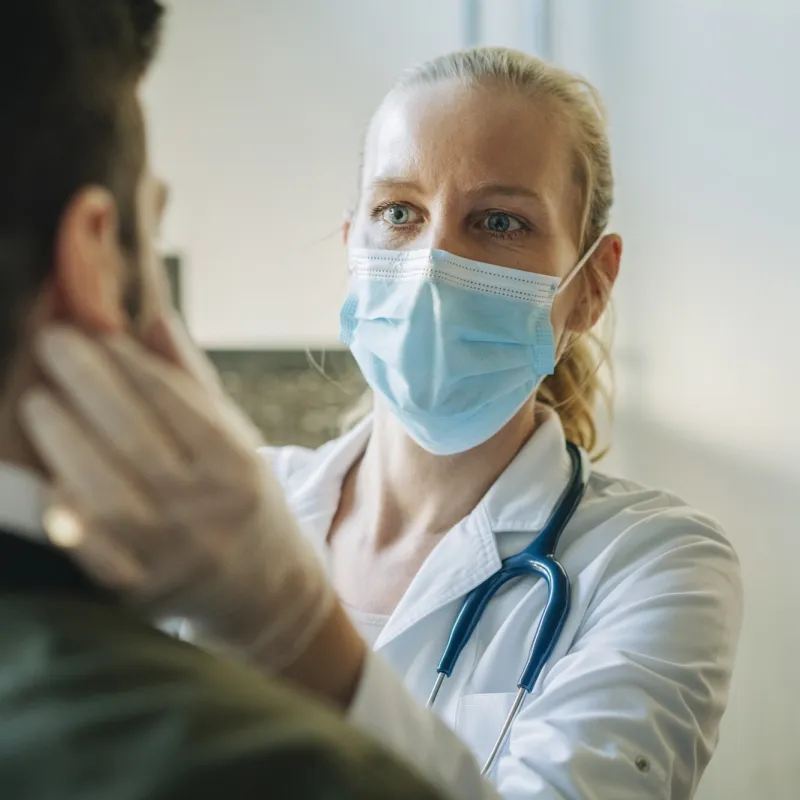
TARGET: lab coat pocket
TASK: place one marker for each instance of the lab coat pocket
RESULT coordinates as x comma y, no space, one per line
480,719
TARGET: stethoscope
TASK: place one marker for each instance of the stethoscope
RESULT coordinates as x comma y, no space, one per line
538,558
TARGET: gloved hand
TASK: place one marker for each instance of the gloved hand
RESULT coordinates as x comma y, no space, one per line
163,498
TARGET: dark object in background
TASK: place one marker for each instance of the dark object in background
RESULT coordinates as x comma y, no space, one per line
172,267
291,400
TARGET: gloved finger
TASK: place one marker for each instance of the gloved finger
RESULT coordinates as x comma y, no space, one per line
101,557
168,337
139,562
207,426
108,405
77,462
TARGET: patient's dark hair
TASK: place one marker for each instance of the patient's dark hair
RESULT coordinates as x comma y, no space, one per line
69,118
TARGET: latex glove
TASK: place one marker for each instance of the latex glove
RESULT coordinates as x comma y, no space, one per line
163,496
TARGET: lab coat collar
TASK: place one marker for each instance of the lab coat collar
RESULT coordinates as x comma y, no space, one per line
314,493
523,497
521,500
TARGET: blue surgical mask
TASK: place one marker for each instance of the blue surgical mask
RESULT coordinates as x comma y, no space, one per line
455,347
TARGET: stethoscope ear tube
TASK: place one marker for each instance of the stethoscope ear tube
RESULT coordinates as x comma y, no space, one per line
551,623
468,618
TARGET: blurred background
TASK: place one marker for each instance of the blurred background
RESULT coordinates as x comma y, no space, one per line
258,108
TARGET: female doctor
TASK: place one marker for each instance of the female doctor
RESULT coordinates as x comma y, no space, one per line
479,265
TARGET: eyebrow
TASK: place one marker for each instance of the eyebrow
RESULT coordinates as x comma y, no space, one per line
481,189
508,190
395,183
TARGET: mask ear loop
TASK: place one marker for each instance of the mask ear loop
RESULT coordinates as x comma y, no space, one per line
568,279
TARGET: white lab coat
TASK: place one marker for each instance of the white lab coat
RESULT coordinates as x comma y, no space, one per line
629,704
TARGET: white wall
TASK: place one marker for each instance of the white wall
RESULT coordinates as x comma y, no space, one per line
522,24
703,98
257,111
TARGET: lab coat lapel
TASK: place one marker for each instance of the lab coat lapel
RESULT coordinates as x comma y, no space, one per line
313,493
465,557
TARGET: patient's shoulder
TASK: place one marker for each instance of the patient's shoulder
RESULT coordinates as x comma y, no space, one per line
119,707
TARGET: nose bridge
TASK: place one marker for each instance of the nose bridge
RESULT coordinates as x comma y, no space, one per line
446,230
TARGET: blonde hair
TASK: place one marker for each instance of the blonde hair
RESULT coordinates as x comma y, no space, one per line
577,387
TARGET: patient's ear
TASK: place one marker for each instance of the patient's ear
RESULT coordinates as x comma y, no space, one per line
89,266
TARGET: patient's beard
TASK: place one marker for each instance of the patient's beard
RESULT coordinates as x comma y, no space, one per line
137,302
133,297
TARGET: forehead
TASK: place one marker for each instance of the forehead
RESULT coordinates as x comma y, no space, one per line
460,135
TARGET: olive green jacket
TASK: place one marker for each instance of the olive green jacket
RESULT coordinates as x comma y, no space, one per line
95,704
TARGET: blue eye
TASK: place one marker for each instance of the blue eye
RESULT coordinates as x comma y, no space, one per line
500,222
397,214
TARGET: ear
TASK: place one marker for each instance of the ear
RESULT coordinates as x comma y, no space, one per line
89,269
346,225
596,280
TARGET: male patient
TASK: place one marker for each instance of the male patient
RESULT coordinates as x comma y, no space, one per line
94,703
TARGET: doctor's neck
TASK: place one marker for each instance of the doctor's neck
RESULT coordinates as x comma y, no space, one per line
407,492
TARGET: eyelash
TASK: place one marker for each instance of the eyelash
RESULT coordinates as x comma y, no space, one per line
524,228
379,209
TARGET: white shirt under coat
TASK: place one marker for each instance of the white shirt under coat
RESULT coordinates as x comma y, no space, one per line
629,704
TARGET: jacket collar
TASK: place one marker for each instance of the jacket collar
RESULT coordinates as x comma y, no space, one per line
521,500
27,566
22,501
28,563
